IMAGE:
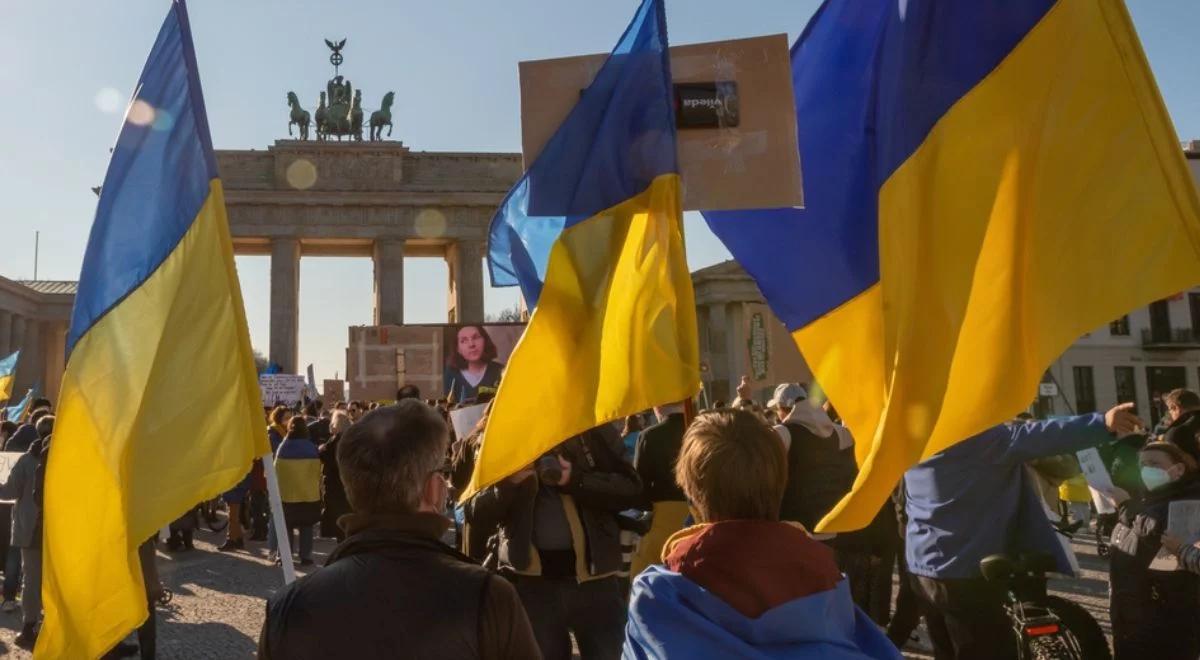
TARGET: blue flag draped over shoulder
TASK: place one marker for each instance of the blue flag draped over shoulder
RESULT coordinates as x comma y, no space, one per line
974,174
160,406
593,234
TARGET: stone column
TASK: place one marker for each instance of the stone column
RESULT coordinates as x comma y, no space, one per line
31,365
285,303
6,345
389,281
55,360
16,337
723,379
465,259
735,339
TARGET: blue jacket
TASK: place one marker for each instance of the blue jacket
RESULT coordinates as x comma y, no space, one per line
975,499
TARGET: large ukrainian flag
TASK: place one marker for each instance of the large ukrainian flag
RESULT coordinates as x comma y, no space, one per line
8,375
985,182
160,406
593,234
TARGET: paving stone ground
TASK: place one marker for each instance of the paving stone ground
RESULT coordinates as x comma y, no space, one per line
218,605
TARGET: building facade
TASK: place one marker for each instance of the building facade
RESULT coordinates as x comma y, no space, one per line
1136,358
33,319
739,336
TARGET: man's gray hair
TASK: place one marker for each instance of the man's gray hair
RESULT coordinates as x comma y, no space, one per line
386,458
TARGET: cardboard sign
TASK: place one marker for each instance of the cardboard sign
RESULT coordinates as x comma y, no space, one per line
334,390
285,389
7,460
750,159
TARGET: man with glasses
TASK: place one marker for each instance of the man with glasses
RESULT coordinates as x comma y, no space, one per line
392,588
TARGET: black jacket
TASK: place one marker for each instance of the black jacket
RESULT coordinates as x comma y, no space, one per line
334,503
820,472
602,485
1154,613
657,450
1182,432
392,590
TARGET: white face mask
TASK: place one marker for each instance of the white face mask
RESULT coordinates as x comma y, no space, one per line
1155,477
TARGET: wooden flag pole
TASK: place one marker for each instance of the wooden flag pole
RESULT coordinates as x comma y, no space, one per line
283,538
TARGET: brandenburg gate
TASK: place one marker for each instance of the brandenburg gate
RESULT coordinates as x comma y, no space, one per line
363,198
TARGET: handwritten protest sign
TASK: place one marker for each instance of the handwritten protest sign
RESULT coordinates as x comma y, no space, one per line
284,389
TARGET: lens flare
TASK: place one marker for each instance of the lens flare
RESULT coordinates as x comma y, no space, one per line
141,113
301,174
430,223
108,100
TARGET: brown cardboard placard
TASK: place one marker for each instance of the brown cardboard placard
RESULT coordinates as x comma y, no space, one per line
753,165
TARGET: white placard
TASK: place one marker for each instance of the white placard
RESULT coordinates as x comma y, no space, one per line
7,460
287,389
465,419
1099,480
1183,522
1094,469
1048,389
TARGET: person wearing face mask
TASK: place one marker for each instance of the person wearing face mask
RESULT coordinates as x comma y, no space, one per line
1155,613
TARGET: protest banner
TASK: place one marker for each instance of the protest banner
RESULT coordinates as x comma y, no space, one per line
286,389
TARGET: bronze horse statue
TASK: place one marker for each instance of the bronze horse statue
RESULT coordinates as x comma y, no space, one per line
382,117
356,116
322,115
299,116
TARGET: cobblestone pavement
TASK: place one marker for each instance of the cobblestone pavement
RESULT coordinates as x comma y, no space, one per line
218,604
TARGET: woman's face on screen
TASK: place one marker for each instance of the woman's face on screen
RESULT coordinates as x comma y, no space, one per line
470,344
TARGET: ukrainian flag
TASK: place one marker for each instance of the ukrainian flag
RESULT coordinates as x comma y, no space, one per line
593,234
985,182
160,406
8,375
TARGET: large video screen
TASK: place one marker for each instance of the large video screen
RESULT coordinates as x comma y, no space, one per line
474,357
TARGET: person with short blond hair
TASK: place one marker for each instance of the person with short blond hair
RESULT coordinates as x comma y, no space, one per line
742,583
710,471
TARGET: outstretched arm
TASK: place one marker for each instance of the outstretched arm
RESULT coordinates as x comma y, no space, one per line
1069,435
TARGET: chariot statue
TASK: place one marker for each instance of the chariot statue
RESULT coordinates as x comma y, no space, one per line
339,111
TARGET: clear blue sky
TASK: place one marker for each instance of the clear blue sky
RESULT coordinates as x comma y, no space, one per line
68,68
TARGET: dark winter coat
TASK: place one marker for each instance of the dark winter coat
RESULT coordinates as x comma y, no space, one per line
601,485
1154,613
334,503
392,590
657,451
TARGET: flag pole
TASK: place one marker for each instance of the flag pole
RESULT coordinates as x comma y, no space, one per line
283,538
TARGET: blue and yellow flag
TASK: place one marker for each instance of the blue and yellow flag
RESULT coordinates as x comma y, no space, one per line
985,182
17,413
160,406
8,375
593,234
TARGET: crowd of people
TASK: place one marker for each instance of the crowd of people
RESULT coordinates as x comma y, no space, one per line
682,535
691,536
